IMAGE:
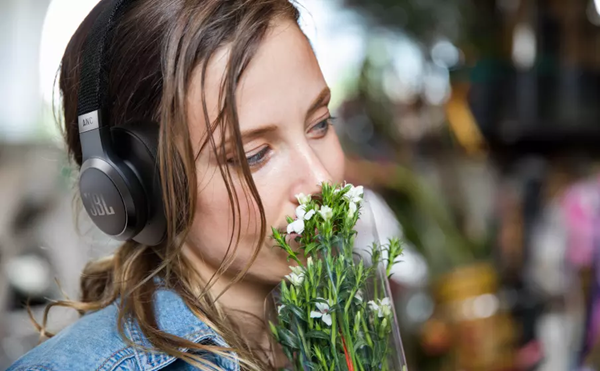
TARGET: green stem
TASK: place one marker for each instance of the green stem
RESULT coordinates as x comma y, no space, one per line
360,366
333,337
308,309
333,317
376,283
385,365
366,331
349,342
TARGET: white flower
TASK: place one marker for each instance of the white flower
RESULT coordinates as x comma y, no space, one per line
297,226
297,275
302,214
303,199
326,212
386,307
382,307
295,278
322,312
297,270
309,261
279,308
359,296
373,305
352,209
354,194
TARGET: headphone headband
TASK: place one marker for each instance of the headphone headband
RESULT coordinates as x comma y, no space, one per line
94,80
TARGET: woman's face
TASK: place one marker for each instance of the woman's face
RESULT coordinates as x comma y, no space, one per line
289,143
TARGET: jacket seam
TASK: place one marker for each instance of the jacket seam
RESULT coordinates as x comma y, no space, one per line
135,338
114,358
121,361
165,361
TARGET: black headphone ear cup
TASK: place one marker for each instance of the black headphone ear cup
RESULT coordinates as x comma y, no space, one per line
136,144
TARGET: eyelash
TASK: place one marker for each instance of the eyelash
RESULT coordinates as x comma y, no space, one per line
328,121
258,158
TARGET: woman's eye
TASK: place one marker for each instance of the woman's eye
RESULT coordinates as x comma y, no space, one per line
253,160
256,159
323,126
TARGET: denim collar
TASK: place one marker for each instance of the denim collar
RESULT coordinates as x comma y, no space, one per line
175,318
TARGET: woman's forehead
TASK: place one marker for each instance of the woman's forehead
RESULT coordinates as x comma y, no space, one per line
282,80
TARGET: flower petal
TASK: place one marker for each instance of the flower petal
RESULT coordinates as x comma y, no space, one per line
298,279
326,212
315,314
358,191
327,319
358,295
303,199
297,269
352,209
301,211
322,307
298,226
309,215
373,305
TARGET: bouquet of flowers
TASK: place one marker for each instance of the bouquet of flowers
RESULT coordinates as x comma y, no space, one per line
334,308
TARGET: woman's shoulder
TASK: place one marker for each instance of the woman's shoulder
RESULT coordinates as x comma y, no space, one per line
91,343
94,341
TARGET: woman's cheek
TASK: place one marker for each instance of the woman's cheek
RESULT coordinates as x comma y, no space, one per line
333,157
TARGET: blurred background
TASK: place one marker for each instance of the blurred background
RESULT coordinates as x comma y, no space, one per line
476,121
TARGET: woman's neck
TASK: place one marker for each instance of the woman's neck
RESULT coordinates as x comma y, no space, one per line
246,302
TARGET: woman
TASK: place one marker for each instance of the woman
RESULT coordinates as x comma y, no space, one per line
244,127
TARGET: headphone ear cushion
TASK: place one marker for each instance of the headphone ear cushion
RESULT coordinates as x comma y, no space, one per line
136,144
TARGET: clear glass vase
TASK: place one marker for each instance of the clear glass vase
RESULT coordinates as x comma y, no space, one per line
372,227
364,333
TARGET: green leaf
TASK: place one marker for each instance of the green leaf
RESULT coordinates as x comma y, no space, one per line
309,248
297,311
276,234
318,335
288,338
359,344
274,330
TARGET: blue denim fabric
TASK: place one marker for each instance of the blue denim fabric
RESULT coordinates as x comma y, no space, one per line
93,342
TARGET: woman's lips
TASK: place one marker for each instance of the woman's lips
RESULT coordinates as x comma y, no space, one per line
291,238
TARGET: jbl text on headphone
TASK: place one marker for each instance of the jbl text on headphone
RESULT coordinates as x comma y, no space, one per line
119,181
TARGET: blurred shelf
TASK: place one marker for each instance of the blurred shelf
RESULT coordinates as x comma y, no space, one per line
547,142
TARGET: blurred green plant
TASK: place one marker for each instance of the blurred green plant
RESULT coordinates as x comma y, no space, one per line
470,24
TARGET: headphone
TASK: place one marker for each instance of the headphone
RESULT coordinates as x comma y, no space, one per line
119,180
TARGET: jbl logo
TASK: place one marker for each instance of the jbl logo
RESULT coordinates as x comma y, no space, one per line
97,205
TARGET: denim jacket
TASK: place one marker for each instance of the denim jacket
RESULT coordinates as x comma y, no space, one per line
93,342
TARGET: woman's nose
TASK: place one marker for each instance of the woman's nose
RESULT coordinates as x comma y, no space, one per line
310,173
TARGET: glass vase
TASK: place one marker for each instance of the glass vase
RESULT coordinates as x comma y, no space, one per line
358,330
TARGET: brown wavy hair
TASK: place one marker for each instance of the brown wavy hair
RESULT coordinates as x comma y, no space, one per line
157,47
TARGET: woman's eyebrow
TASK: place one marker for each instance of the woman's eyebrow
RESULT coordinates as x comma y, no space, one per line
320,101
258,132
